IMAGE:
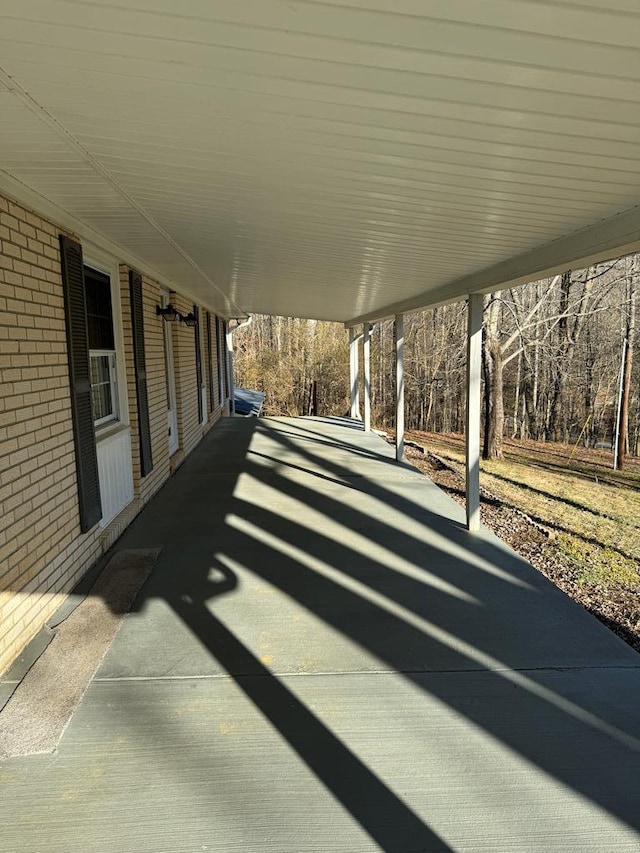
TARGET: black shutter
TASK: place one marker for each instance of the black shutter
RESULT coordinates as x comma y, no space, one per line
139,362
196,337
210,364
75,310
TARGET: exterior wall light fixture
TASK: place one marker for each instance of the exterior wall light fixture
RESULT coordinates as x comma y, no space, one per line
169,313
190,319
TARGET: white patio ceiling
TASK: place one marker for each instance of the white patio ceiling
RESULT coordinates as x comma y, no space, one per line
336,160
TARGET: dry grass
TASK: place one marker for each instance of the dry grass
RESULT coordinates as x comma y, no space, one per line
589,512
579,498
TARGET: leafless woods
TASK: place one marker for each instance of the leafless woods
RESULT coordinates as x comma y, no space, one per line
558,355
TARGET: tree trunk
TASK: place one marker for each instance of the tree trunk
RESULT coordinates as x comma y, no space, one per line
516,401
496,415
568,333
560,368
529,397
626,376
494,399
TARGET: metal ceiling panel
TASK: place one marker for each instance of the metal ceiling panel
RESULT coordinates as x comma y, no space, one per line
337,160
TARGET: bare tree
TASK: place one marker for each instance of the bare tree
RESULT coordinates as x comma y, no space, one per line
550,358
628,362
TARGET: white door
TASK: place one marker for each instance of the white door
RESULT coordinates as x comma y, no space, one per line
172,412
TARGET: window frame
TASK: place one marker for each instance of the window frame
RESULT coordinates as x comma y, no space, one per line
100,262
114,416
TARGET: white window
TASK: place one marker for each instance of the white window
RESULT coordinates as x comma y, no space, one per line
102,348
104,387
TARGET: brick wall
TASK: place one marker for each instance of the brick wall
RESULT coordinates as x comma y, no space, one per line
43,554
184,354
38,494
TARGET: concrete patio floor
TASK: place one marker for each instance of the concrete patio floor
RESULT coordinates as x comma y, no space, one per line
325,660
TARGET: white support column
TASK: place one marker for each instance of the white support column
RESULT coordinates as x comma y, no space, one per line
231,372
474,354
353,374
366,368
399,329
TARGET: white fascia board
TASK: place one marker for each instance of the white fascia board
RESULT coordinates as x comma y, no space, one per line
21,194
603,241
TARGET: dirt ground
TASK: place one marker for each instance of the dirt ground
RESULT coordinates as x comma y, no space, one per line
587,565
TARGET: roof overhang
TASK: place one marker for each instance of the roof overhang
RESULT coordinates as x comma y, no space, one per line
614,237
338,160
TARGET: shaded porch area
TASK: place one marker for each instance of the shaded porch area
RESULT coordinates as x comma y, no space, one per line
324,658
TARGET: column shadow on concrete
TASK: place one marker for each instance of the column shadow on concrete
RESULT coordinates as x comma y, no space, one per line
543,677
587,742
